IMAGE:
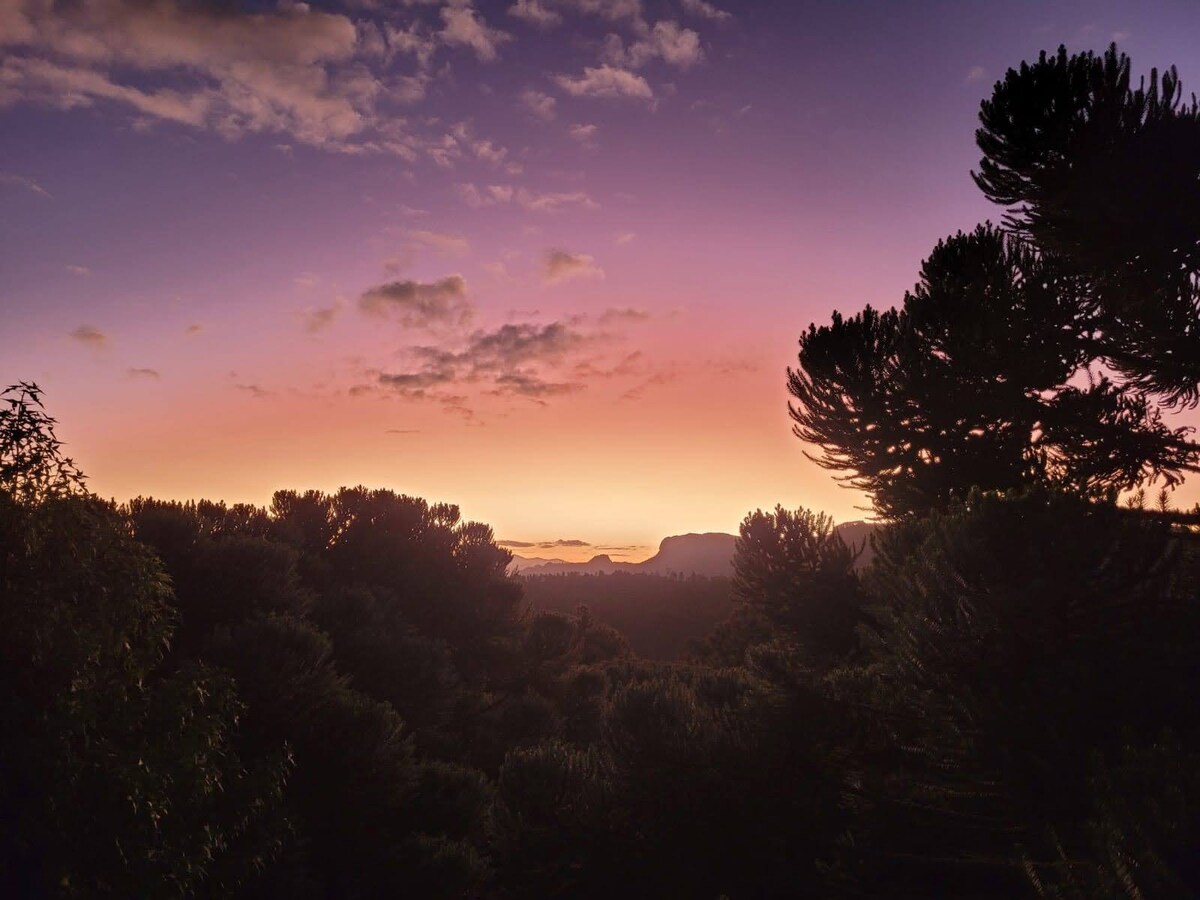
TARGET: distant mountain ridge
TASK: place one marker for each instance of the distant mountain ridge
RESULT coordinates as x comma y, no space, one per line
710,553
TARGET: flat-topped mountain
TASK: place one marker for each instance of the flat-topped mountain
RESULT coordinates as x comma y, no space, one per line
707,554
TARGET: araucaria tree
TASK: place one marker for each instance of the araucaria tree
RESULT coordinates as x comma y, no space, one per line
1027,354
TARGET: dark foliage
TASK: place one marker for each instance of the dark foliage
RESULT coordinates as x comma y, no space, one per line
1104,174
344,695
986,377
658,614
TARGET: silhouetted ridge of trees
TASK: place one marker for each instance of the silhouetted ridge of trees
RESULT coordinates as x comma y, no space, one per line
997,695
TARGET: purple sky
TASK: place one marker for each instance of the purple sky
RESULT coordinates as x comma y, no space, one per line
545,259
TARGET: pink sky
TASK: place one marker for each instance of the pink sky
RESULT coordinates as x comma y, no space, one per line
548,267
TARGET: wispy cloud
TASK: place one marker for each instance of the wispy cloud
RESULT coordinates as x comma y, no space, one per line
561,265
479,197
420,304
538,103
22,181
152,374
606,81
464,27
90,336
321,318
668,41
536,13
444,242
512,359
544,545
584,133
702,9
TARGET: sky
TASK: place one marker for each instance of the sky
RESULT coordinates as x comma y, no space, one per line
545,259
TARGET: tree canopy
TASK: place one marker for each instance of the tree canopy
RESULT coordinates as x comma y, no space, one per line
1045,350
1105,175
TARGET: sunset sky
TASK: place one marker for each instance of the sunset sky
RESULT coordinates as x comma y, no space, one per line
546,259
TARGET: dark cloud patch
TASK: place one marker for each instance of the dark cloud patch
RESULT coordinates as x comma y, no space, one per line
561,265
528,385
623,314
420,304
254,390
321,318
143,373
511,359
90,336
544,545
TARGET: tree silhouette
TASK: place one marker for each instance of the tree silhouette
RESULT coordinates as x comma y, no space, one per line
1105,176
1032,654
119,776
985,377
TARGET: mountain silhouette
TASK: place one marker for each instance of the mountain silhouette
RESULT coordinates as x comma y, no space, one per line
710,553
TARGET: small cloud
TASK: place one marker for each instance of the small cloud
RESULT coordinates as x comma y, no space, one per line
306,280
489,195
143,373
253,390
90,336
78,270
403,431
553,202
194,329
560,265
606,81
498,194
974,74
24,182
464,28
546,545
420,304
667,41
454,244
732,366
623,314
1122,35
489,151
516,545
702,9
321,318
534,13
539,104
584,133
625,238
